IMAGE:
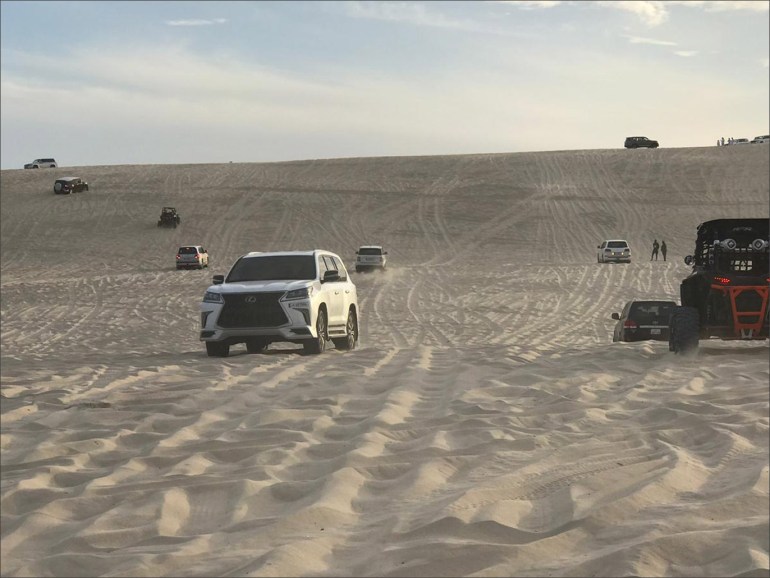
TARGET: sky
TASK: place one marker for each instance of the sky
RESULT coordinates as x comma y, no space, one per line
110,82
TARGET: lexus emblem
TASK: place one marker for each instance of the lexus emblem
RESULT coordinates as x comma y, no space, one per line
250,299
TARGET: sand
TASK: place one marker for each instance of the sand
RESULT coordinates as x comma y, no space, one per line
485,426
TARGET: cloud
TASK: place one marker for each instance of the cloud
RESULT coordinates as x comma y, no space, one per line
531,4
641,40
198,22
407,12
753,5
652,13
686,53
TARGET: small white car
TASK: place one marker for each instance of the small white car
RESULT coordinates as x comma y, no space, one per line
300,297
614,251
762,139
195,256
740,141
371,257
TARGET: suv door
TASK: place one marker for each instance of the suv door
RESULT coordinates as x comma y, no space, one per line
335,291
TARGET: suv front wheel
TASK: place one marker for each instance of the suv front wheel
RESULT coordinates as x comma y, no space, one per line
217,349
351,338
317,345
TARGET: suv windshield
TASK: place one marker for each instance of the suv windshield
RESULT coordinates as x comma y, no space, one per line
187,250
273,268
369,251
617,244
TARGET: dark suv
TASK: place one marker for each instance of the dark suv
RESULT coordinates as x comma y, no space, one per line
68,185
726,295
636,142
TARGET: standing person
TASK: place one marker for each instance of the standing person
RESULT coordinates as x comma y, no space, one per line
655,247
723,141
663,249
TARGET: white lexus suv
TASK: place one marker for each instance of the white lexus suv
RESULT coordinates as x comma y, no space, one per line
295,296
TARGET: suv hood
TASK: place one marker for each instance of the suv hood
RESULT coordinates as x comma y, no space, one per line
266,286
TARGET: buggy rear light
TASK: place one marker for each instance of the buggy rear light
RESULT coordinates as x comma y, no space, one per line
628,324
722,280
178,256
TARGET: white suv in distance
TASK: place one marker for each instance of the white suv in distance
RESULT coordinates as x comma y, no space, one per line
614,250
762,139
295,296
41,164
192,256
370,257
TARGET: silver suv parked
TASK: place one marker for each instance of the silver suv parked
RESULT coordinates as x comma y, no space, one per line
294,296
371,257
614,250
195,256
41,164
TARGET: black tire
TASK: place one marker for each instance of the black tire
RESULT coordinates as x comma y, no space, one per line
684,329
318,345
217,349
348,342
256,345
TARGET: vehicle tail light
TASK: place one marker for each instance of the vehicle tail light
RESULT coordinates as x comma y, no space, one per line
178,256
722,280
628,324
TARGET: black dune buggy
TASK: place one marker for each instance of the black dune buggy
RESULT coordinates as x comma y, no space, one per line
169,217
726,295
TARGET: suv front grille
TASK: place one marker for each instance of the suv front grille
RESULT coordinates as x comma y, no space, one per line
252,310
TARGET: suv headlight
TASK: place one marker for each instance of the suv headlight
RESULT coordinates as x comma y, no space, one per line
212,297
304,293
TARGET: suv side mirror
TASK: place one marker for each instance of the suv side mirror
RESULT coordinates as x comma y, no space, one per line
218,279
688,260
330,276
616,315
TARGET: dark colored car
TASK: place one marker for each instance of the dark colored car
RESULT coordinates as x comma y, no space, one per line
69,185
169,217
636,142
726,295
643,320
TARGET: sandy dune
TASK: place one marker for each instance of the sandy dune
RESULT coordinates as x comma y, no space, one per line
486,425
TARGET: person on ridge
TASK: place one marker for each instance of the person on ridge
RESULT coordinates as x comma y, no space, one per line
663,249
